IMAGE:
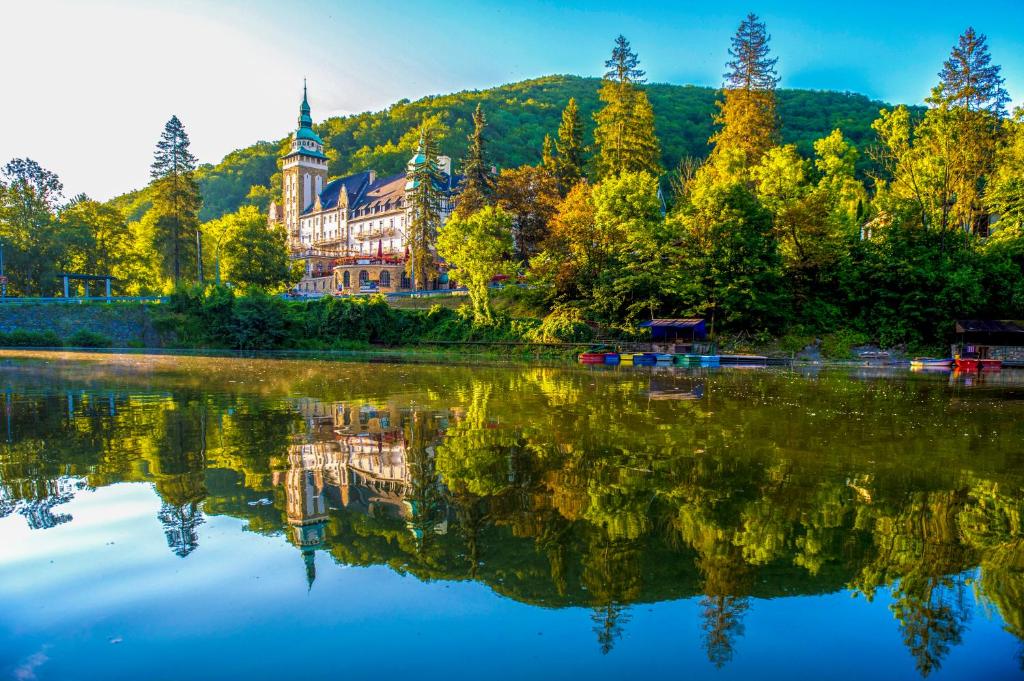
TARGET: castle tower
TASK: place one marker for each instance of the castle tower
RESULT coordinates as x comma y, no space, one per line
304,172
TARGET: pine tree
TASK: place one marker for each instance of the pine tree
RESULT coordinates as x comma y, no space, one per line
424,196
969,79
962,132
477,188
747,114
624,135
568,165
176,202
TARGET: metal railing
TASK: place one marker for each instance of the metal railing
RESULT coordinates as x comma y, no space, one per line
26,300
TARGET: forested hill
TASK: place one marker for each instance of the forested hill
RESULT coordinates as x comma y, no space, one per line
519,115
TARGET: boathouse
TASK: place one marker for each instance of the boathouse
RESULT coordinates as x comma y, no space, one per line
1003,338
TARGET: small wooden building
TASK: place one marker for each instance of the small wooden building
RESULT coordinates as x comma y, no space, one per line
1002,339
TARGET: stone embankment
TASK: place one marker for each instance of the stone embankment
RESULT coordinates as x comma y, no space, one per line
124,324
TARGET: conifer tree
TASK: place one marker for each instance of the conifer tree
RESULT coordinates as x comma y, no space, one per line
176,202
747,114
547,155
964,128
477,188
568,165
424,195
624,136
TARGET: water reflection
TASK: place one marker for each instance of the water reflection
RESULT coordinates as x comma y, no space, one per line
559,488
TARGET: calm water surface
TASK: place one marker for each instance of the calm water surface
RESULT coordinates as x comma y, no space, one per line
192,518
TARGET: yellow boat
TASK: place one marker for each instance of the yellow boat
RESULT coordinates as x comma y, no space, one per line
627,357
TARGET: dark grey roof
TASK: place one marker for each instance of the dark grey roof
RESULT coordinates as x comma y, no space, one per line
989,326
688,323
364,194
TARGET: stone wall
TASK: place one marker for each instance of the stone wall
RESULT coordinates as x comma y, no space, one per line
125,324
1007,353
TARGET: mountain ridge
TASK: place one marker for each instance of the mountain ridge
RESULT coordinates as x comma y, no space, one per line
519,115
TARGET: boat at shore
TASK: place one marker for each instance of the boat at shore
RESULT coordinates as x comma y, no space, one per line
931,363
975,364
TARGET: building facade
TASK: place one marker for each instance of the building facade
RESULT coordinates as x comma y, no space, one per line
350,233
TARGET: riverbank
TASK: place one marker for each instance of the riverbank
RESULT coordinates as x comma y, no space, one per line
218,320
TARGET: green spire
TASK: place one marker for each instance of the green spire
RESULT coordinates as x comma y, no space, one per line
305,120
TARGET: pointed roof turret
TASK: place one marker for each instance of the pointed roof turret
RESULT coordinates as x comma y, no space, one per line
306,141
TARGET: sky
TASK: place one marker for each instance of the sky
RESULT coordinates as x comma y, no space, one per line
89,84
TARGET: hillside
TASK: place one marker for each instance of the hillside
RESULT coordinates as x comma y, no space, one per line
519,115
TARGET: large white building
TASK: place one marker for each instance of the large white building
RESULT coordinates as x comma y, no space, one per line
349,232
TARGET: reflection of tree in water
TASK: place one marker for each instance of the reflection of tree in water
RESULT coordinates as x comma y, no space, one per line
932,619
425,495
180,525
180,468
611,574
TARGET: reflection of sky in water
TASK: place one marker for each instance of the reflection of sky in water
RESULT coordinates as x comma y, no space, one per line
104,598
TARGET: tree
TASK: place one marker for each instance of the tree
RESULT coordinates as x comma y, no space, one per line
970,80
624,135
30,197
747,114
106,241
731,260
176,203
477,248
530,196
547,154
255,253
568,164
477,188
424,191
1004,194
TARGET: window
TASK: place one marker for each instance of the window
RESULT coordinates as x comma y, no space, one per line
346,280
385,279
363,277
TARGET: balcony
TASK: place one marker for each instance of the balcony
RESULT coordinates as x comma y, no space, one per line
376,233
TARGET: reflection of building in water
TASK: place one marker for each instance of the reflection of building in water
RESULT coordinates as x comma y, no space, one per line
355,458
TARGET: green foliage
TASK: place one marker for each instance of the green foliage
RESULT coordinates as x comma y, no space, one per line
840,344
84,338
255,254
476,247
34,339
563,325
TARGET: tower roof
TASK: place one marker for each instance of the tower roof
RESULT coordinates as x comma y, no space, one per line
305,130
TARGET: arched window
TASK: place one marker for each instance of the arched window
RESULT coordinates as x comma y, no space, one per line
385,279
363,277
405,281
346,279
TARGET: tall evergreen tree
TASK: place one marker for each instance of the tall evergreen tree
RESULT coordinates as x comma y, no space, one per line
477,188
176,203
423,186
747,114
969,79
624,136
568,165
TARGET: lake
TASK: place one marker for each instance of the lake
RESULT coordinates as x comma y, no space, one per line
193,518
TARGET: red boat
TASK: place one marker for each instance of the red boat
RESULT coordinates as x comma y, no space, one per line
976,358
591,358
974,364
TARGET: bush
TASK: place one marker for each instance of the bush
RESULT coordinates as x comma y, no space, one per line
88,339
34,339
563,325
839,345
258,322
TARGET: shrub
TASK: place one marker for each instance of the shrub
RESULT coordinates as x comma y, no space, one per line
840,344
36,339
88,339
563,325
258,322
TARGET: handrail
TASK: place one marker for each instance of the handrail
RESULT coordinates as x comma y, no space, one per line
26,300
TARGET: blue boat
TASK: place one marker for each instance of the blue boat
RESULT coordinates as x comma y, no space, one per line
647,359
611,358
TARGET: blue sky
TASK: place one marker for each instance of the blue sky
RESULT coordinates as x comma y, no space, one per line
92,84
